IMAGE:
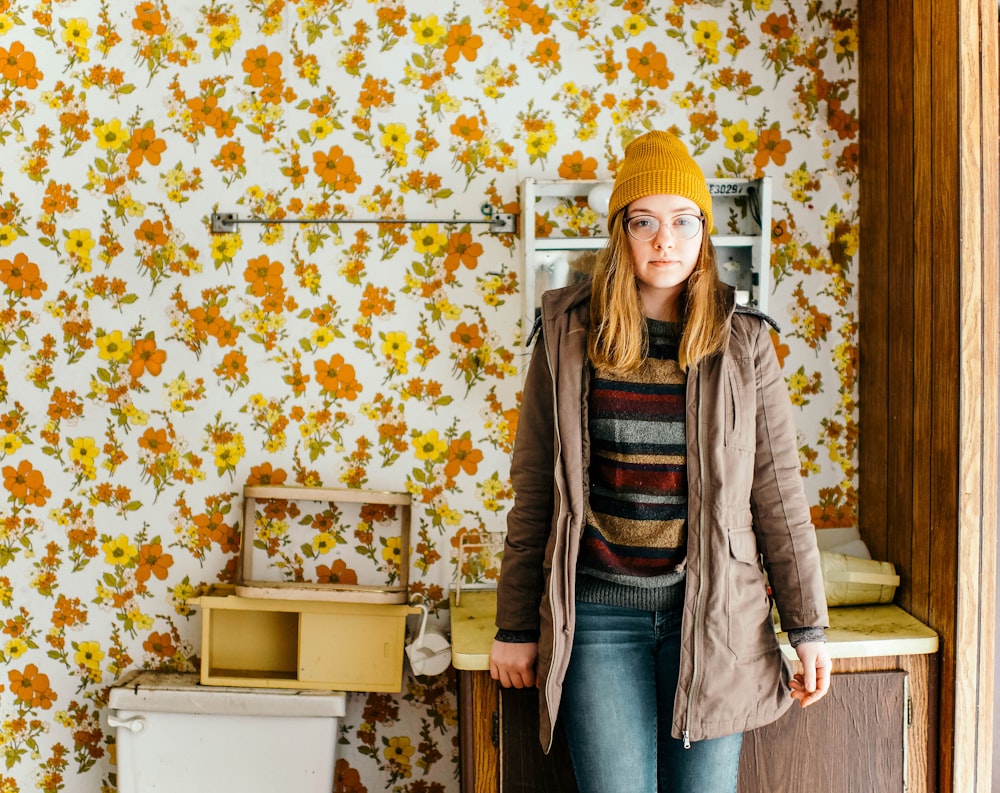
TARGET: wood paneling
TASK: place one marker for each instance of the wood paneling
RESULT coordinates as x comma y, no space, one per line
524,767
918,554
873,282
905,316
928,309
479,706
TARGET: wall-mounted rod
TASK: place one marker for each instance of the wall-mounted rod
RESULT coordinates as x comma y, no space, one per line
499,223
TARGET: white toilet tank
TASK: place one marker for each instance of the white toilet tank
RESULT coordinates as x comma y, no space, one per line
177,736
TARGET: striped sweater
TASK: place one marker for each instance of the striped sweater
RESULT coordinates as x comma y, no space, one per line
635,536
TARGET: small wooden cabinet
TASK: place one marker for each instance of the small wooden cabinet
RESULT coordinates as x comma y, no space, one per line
871,733
277,643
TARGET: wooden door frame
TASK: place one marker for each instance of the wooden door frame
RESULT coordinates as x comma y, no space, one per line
980,431
929,300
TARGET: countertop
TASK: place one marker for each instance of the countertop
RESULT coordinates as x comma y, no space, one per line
855,631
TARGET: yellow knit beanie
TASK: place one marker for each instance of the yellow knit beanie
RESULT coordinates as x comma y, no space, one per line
658,163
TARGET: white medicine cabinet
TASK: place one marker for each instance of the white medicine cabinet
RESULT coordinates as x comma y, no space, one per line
572,210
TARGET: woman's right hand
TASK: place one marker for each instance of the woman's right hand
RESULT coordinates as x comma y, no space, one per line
512,664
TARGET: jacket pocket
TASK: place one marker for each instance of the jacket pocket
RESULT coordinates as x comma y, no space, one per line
750,630
740,432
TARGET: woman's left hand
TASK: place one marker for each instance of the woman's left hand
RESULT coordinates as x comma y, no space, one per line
813,682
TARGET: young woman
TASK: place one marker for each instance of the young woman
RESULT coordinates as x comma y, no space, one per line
658,502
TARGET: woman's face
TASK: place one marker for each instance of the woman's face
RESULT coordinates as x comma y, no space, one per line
663,262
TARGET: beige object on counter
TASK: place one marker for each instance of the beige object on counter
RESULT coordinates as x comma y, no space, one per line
854,581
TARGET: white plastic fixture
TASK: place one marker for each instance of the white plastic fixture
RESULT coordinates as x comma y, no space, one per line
177,736
599,197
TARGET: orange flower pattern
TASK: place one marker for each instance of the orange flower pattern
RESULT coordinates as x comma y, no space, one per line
150,367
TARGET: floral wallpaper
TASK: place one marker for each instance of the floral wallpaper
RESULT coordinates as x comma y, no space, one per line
150,368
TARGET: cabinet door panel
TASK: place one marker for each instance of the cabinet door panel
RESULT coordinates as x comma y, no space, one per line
353,651
524,767
851,741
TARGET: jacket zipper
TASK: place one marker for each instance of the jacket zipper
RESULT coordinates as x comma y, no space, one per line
686,732
562,495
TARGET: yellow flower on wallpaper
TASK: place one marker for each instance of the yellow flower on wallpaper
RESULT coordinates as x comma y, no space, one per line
800,180
113,346
228,454
707,34
429,239
399,750
324,542
139,619
15,648
395,345
428,31
89,655
79,243
635,24
845,44
110,136
225,247
540,141
76,32
119,551
83,454
394,137
221,38
429,446
319,128
491,78
740,136
321,337
392,552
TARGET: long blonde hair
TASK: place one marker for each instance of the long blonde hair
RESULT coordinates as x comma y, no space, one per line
618,340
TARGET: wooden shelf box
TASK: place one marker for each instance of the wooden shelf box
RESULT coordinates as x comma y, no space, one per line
295,643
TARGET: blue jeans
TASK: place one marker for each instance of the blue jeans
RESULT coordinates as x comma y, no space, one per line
618,702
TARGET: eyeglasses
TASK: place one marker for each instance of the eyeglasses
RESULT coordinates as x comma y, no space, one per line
645,227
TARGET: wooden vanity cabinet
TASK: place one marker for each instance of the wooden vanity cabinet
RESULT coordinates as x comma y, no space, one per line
869,734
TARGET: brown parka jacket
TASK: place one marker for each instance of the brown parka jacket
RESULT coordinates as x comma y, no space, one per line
747,514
